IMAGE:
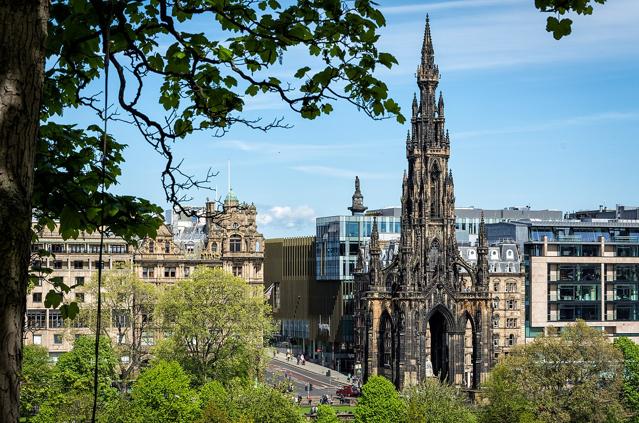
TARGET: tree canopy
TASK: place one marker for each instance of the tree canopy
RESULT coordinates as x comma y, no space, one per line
380,402
573,377
630,351
560,27
434,402
217,328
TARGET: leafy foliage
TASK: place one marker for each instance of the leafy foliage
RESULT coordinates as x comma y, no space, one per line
217,327
380,402
573,377
326,414
163,393
37,376
205,78
630,351
263,404
216,403
434,402
127,309
562,27
69,395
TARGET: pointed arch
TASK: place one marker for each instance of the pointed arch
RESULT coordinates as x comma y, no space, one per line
385,347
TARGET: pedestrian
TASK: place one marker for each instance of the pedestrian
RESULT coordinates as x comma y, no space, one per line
299,400
274,352
303,360
310,401
298,360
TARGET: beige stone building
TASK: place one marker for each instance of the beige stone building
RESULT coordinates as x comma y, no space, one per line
228,239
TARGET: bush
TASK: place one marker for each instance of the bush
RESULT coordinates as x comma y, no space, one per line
326,414
380,402
431,401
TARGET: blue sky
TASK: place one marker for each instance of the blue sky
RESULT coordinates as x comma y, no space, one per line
533,121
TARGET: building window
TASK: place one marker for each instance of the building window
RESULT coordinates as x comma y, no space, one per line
151,246
118,248
77,248
78,264
148,272
496,302
257,246
495,340
235,243
496,321
511,304
187,271
57,339
37,339
36,319
147,339
511,323
120,318
511,287
169,272
57,248
237,270
79,297
79,280
98,265
37,297
214,247
167,247
511,340
57,264
55,319
496,287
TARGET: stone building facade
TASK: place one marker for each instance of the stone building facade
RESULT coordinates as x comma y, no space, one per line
429,312
229,240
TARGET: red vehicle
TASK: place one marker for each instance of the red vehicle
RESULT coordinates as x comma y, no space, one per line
348,391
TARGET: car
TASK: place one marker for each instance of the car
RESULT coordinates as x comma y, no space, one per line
348,391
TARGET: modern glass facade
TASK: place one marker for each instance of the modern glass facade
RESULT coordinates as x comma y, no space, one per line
339,238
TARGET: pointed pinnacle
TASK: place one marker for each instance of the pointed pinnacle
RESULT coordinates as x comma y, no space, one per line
428,52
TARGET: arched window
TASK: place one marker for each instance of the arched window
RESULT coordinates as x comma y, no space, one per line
435,199
495,320
235,244
151,246
496,302
386,340
257,246
214,247
510,254
511,340
167,247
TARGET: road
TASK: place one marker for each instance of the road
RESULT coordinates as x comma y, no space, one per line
278,370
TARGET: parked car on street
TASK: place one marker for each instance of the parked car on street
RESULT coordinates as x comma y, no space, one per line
348,391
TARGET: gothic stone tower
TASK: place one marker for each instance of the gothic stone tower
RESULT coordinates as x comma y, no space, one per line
416,318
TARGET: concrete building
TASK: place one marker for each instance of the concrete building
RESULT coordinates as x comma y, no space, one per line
619,212
579,269
227,237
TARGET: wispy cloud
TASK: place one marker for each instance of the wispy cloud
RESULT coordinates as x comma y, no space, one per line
490,38
340,172
287,217
551,125
443,5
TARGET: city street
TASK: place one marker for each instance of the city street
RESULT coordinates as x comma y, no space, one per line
300,376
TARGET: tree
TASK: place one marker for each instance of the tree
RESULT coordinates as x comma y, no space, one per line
215,402
217,327
563,27
434,402
37,377
263,404
380,402
326,414
163,393
128,305
70,394
573,377
630,351
204,80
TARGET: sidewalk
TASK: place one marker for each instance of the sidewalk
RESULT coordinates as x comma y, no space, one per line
313,368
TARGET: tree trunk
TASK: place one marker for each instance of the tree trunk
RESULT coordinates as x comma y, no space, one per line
23,27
